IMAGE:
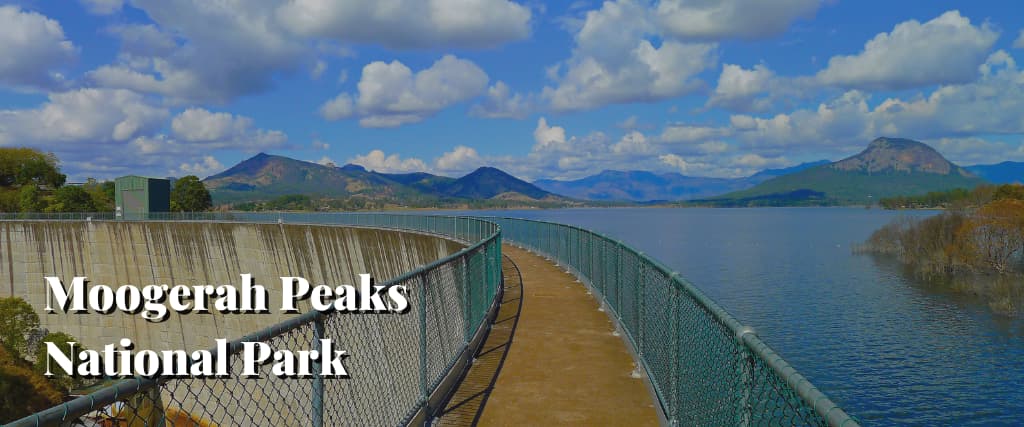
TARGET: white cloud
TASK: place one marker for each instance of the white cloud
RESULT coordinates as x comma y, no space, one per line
460,160
326,161
227,49
945,50
615,60
549,138
741,90
378,161
339,107
318,69
629,123
1019,43
407,24
32,48
103,7
78,119
714,20
391,95
632,144
204,168
143,40
223,130
974,150
317,144
689,133
501,103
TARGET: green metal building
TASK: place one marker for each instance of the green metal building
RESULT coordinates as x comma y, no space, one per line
136,196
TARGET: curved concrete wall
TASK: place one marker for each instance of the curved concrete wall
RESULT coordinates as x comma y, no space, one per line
193,253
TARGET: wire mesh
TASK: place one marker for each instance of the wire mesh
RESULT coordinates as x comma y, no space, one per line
705,367
398,360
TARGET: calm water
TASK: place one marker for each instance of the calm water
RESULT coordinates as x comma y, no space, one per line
890,350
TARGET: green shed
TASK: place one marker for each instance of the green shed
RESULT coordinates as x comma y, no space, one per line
136,196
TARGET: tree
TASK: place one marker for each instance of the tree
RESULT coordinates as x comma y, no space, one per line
23,166
102,199
72,199
22,391
18,322
31,199
64,382
190,195
994,235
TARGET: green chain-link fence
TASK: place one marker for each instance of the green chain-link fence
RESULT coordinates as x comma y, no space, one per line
705,367
404,358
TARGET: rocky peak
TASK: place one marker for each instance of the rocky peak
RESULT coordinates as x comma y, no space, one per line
887,155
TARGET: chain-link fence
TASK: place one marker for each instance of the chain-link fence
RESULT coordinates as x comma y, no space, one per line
404,359
705,367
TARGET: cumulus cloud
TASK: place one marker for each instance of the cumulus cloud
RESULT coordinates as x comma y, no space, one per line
223,130
378,161
705,20
549,138
945,50
390,94
408,24
103,7
227,49
32,49
689,133
1019,43
207,166
616,60
103,133
318,69
501,103
744,90
974,150
460,160
76,120
138,40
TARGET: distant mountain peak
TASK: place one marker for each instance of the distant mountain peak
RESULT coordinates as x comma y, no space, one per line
353,167
888,155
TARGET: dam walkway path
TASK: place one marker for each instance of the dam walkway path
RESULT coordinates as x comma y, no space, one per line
552,357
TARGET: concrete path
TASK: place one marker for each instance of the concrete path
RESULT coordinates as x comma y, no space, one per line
563,366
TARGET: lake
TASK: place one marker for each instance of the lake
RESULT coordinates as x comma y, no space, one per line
888,348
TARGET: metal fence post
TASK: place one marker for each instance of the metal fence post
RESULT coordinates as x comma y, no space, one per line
745,372
424,395
318,379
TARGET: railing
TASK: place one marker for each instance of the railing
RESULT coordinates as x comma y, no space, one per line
704,366
418,354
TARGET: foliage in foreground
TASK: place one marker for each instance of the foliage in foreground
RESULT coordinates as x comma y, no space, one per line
23,387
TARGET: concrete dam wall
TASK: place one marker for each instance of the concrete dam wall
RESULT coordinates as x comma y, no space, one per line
195,253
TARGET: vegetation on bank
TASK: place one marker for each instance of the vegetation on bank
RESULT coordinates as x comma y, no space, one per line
958,198
983,234
23,387
31,181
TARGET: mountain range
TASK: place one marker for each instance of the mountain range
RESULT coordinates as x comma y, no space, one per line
266,176
887,167
643,186
1000,173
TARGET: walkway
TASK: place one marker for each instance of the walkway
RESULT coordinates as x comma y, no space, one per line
563,365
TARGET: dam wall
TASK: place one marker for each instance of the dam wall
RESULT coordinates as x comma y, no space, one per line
116,253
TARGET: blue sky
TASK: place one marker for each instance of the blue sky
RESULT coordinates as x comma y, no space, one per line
542,90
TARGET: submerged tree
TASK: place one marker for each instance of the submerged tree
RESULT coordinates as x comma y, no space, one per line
994,235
